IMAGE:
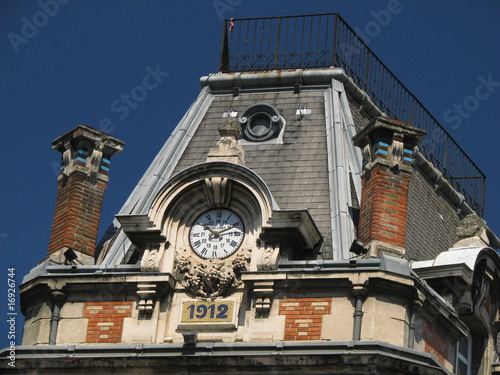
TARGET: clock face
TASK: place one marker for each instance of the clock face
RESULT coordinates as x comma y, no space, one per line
216,234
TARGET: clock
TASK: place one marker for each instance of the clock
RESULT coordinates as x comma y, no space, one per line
216,234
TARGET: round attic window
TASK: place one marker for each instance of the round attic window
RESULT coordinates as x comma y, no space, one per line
260,122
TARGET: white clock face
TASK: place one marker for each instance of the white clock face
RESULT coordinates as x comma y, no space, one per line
216,234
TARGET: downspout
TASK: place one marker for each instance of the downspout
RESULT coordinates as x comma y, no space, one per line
58,298
415,305
359,293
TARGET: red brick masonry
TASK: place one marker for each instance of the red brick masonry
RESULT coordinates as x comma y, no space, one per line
435,343
106,320
304,317
77,213
384,205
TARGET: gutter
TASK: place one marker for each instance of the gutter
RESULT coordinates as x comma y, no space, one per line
290,78
169,352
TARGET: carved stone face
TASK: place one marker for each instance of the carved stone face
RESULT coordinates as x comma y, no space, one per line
470,226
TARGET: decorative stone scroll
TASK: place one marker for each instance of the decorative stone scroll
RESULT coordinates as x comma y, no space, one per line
151,260
270,256
217,191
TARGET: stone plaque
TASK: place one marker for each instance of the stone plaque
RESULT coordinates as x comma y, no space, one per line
208,313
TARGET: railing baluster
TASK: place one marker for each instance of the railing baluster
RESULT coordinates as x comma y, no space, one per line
277,47
335,40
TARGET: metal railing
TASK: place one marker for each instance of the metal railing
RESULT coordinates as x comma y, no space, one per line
325,40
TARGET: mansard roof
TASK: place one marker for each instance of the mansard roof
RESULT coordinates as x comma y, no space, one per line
315,165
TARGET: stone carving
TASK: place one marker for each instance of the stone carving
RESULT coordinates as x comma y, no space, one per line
210,278
227,147
94,163
151,260
470,226
270,256
66,161
367,153
397,149
472,231
217,191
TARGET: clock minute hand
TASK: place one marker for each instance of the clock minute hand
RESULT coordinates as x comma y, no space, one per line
224,230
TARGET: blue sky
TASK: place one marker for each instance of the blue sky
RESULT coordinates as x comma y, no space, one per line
79,57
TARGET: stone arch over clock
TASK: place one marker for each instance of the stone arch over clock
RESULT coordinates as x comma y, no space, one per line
211,216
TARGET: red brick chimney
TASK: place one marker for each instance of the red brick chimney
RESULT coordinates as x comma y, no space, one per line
83,178
387,165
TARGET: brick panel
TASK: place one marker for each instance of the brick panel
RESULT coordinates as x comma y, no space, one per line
304,317
435,343
105,321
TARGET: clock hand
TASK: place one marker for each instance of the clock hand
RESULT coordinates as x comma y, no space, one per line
224,230
213,232
210,229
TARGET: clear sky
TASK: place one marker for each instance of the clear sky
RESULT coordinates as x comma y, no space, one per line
65,62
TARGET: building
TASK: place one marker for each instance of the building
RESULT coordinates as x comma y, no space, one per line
298,219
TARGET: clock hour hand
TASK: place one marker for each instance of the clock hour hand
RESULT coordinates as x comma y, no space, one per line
213,232
210,229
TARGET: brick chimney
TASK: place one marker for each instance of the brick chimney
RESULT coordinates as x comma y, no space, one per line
83,177
387,147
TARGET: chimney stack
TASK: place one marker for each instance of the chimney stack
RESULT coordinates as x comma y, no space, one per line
83,177
387,147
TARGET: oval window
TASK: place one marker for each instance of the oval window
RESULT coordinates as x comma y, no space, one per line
260,122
